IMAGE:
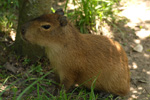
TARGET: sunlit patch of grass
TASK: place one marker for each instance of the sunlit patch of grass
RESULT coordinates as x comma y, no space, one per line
88,13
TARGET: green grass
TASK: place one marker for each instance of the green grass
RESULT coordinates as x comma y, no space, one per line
38,88
31,85
27,93
8,14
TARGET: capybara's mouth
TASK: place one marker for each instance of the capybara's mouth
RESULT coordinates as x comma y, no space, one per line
23,38
23,32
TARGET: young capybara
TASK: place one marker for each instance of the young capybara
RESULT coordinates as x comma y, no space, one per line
80,58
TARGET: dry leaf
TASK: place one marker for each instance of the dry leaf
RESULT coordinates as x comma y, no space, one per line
10,67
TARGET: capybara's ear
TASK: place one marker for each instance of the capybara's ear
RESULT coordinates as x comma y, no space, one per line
63,20
59,11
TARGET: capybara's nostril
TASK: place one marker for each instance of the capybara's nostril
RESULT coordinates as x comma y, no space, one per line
23,31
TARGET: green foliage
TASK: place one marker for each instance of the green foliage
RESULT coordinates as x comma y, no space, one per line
87,12
1,66
37,69
26,61
52,9
8,14
35,84
37,89
2,73
31,86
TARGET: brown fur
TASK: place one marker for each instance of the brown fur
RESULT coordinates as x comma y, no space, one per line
79,58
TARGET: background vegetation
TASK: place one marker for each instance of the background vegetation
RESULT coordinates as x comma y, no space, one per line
8,14
88,12
85,13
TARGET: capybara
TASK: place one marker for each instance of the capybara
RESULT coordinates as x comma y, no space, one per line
79,58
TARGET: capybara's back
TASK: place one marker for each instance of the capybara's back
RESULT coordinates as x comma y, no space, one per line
107,63
80,58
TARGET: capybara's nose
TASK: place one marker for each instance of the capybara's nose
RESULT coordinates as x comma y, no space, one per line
23,30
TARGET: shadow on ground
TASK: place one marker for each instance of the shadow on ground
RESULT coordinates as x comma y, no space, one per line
139,62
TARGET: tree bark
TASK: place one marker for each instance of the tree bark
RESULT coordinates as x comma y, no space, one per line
30,9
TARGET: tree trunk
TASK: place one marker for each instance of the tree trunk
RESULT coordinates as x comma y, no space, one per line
30,9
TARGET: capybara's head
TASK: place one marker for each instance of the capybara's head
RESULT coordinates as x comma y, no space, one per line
45,29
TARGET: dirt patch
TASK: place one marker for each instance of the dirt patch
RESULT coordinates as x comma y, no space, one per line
137,31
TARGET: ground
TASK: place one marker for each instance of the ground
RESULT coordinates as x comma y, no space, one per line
132,31
139,62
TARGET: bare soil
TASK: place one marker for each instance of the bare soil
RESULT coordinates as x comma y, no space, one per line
137,31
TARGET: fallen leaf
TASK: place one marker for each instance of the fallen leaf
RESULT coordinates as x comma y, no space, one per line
142,81
10,67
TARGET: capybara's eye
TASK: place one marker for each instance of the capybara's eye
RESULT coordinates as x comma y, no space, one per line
46,26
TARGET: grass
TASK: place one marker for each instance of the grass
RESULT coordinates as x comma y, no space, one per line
14,88
38,88
31,85
34,84
8,15
89,13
